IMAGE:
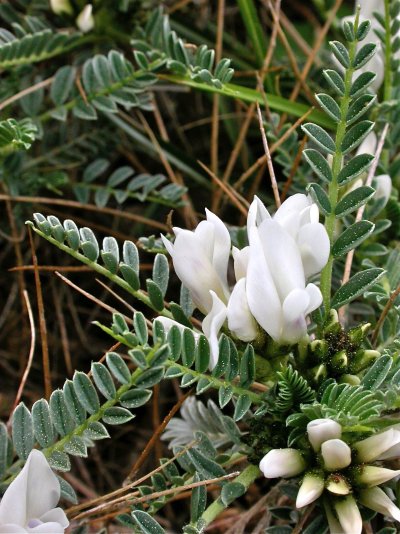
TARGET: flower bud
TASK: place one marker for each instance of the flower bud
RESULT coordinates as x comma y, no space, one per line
319,348
319,373
284,463
349,515
372,448
61,6
383,184
311,488
338,485
371,475
377,500
363,359
321,430
339,361
85,20
336,454
347,378
358,333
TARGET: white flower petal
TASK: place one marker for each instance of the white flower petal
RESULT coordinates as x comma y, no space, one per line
195,270
320,430
349,515
85,20
257,214
61,6
310,490
284,463
283,258
240,261
294,309
336,454
368,146
11,528
383,185
315,295
374,476
168,245
240,320
371,448
22,500
222,248
289,213
314,245
262,297
377,500
47,528
212,324
169,323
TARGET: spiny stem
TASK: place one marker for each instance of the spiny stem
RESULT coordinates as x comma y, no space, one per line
337,163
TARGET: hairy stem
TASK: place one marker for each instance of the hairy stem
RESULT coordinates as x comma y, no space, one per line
337,164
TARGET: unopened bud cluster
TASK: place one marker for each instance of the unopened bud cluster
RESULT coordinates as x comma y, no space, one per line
339,472
338,354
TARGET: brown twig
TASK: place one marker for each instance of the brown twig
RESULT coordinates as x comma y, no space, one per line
263,159
42,322
30,356
88,207
150,444
92,298
383,315
25,92
269,159
233,195
78,507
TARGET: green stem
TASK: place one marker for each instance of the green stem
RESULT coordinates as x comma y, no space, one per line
337,163
387,93
215,383
246,478
387,90
139,294
78,431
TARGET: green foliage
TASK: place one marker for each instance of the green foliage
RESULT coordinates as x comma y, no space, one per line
292,390
33,47
162,44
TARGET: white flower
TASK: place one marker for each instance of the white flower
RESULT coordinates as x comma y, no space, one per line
369,144
320,430
336,454
29,503
85,20
201,260
349,515
282,253
383,187
61,6
375,447
377,500
310,490
374,476
240,320
212,324
282,463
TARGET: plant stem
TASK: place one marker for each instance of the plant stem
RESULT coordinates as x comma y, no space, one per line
139,294
246,478
337,163
387,90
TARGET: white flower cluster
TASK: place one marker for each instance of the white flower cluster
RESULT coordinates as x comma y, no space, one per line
29,503
340,472
270,290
